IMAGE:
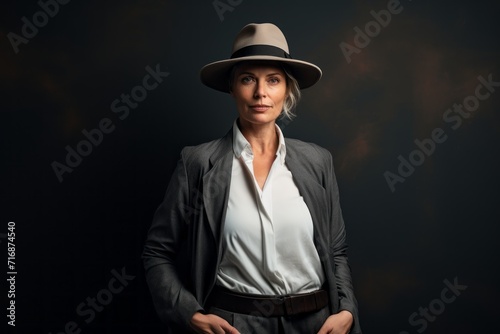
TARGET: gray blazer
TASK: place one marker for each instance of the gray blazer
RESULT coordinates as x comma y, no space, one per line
183,247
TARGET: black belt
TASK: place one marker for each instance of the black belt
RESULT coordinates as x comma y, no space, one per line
268,306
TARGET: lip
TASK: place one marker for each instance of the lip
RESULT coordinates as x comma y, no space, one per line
260,107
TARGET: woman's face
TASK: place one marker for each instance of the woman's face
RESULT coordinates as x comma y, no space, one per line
260,91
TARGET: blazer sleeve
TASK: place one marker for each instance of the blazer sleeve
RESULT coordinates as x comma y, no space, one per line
173,302
338,248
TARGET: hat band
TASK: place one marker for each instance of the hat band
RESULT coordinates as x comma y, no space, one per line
260,50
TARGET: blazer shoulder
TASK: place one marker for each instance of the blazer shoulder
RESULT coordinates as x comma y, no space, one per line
311,151
199,156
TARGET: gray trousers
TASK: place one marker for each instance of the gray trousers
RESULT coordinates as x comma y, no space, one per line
253,324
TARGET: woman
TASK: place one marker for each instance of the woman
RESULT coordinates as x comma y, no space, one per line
250,236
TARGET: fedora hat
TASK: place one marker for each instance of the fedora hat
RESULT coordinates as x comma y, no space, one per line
259,41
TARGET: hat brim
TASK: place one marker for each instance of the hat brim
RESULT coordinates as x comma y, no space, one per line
216,75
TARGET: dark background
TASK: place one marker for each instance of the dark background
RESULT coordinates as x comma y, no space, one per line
440,224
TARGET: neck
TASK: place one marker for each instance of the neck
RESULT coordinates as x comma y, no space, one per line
262,137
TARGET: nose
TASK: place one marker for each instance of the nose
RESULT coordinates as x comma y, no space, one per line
260,89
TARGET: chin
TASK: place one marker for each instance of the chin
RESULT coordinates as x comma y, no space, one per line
261,119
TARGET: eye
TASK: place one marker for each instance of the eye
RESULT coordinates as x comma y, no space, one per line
274,80
247,79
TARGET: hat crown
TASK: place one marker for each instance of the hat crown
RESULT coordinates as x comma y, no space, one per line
259,42
260,34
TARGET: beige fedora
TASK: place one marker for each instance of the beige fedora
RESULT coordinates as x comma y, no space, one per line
259,41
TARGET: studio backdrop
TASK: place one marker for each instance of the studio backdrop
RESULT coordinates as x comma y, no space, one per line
99,97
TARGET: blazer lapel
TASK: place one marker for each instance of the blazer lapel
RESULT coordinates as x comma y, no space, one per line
216,184
314,194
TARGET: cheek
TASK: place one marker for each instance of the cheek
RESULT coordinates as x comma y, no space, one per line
241,99
280,96
242,92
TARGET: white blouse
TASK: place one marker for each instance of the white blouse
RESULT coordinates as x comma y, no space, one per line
268,243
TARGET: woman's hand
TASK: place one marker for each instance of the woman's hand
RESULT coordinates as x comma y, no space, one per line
211,324
339,323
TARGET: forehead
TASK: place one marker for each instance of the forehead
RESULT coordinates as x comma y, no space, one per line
261,67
